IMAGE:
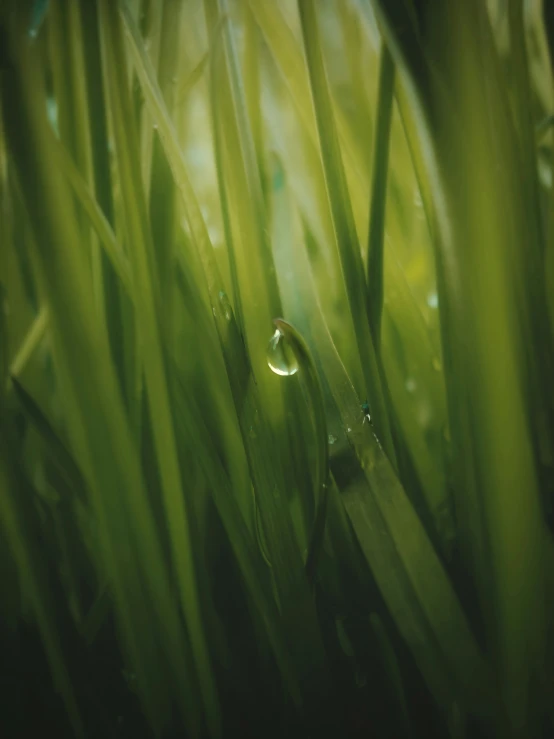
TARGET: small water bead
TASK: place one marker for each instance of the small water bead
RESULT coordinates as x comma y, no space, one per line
410,384
331,439
280,357
225,305
436,364
433,300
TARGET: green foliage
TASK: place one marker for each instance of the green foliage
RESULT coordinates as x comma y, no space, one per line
357,196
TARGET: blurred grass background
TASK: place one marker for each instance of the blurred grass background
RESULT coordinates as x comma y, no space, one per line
215,523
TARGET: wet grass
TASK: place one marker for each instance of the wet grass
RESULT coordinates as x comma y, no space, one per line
276,410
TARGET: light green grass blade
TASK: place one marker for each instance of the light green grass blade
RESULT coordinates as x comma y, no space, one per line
343,223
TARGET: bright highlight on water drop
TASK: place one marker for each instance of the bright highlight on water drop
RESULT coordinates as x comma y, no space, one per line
280,356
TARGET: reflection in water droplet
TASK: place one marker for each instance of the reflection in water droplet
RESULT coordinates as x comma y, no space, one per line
437,366
332,439
349,429
410,384
280,356
433,300
225,305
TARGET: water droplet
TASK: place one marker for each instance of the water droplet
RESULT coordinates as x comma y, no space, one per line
155,126
433,300
252,432
225,305
436,364
348,429
418,202
331,439
280,356
410,384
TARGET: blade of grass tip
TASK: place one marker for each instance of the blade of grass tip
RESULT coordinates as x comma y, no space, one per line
28,562
343,222
309,376
152,355
30,343
375,241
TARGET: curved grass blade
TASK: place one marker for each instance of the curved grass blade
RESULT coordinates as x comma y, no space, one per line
309,375
408,571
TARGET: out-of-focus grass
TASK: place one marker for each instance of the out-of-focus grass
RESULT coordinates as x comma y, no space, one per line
311,549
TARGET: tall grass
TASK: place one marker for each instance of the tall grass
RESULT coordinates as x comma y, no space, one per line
276,409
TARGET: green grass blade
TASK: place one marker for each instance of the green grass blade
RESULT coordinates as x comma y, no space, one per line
152,356
343,222
308,373
56,446
375,245
32,576
114,252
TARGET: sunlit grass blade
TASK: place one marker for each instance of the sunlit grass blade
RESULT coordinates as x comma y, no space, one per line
343,222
